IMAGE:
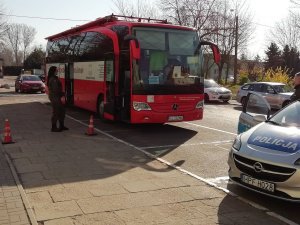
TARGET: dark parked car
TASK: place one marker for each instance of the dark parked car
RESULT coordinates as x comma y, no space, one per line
29,83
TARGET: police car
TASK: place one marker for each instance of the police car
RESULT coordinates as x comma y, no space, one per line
266,157
214,92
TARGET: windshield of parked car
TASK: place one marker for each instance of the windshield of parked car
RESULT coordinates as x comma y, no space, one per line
281,88
31,78
289,116
210,83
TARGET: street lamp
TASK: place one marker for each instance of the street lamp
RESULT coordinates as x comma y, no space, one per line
235,44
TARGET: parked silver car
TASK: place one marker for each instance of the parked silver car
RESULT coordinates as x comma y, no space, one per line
276,94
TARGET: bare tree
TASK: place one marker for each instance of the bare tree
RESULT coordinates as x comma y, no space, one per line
28,34
215,20
287,31
7,55
141,8
13,34
3,23
193,13
19,37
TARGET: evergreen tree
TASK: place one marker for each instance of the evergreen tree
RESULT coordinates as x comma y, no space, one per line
35,59
291,59
274,59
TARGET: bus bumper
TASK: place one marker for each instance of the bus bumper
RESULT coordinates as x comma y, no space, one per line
155,117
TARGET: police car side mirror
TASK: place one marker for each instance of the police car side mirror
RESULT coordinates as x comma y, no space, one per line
260,118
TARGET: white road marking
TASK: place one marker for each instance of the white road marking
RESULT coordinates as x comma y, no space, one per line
255,205
223,147
210,128
192,144
218,180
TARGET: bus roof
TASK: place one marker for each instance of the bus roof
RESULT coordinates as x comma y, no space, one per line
122,20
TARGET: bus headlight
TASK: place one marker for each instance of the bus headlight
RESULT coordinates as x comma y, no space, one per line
200,105
237,143
139,106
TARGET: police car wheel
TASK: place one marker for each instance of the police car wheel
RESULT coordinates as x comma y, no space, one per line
206,98
243,101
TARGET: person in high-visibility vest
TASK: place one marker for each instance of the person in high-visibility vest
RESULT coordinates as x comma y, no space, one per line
55,94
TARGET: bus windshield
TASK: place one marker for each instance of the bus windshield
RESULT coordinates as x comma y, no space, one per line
168,63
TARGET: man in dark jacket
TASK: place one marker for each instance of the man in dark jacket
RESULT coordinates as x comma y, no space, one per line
55,94
296,95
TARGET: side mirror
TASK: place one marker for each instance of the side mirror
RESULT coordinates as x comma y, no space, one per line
135,49
134,46
214,48
260,118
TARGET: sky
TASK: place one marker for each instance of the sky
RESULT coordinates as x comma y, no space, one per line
265,14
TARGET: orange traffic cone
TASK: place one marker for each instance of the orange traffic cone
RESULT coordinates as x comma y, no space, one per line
7,137
90,131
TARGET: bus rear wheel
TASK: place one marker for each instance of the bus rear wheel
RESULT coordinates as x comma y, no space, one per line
100,109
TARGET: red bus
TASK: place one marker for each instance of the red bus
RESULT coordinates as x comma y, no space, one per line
136,70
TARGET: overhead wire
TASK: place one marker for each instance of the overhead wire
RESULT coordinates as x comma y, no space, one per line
83,20
44,18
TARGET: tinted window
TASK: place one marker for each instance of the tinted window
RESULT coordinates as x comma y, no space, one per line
270,89
258,87
248,87
280,88
121,31
85,47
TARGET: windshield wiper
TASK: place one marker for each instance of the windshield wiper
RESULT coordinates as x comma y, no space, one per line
273,122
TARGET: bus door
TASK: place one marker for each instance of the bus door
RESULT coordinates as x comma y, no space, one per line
66,75
69,83
125,86
109,107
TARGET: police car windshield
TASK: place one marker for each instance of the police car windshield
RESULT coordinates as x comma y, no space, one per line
289,116
210,83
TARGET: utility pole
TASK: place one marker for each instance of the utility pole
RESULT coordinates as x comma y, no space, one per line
236,48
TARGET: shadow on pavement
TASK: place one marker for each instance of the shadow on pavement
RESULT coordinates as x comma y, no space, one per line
43,158
284,208
233,211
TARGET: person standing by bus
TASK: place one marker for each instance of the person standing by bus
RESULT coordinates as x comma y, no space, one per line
55,94
296,95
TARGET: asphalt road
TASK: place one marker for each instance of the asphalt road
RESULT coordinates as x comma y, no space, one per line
200,147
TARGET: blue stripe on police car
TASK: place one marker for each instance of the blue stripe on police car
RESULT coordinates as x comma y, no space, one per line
275,139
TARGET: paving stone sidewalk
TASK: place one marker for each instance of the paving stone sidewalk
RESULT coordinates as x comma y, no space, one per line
12,210
73,179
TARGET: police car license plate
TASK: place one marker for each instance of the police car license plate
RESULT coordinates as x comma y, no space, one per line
175,118
258,183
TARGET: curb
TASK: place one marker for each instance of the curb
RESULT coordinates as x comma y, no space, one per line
207,182
28,208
